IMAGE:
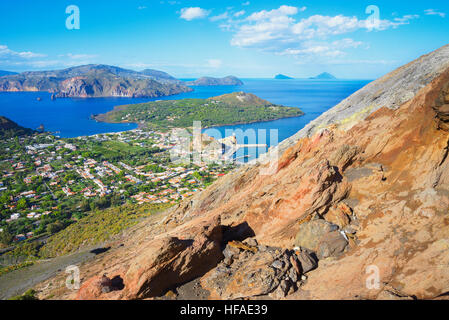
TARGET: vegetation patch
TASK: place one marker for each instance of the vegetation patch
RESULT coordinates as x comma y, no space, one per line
235,108
5,270
97,227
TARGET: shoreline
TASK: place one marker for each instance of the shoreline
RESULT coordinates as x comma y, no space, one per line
140,126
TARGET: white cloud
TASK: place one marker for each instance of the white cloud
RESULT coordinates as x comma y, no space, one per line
239,13
214,63
6,53
280,31
433,12
194,13
273,14
219,17
322,48
247,3
406,18
26,60
141,7
302,9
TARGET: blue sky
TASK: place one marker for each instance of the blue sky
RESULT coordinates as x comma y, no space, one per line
254,38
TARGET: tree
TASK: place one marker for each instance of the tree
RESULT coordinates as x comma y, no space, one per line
29,295
5,236
54,227
22,204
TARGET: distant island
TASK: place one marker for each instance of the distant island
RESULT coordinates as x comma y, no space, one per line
233,108
92,81
324,76
9,129
209,81
6,73
282,77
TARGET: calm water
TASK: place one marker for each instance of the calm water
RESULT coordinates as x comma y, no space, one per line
71,117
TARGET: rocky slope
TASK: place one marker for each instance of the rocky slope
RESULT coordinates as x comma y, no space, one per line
95,81
363,189
208,81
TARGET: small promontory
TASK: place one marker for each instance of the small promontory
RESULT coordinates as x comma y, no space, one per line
233,108
9,129
209,81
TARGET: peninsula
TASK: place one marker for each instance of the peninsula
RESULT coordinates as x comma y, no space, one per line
234,108
209,81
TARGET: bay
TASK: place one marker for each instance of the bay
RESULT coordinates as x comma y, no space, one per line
71,117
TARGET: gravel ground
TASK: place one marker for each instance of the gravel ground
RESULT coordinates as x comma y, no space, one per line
17,282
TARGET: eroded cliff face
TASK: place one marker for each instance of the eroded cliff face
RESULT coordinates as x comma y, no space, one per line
366,192
91,87
95,81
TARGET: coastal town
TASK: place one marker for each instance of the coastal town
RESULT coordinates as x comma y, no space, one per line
47,183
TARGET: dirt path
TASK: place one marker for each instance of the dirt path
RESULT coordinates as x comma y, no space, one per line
17,282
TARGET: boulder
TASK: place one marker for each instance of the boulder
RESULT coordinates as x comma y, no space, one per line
252,274
331,244
311,233
251,242
163,264
307,260
90,289
230,251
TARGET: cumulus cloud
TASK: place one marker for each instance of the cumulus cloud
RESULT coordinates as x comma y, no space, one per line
193,13
273,14
281,31
433,12
6,53
27,60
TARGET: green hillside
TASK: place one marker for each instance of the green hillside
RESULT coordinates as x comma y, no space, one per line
234,108
9,129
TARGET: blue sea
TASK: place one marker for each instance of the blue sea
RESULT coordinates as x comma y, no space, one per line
70,117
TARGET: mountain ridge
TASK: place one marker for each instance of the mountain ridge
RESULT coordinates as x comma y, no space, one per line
95,80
